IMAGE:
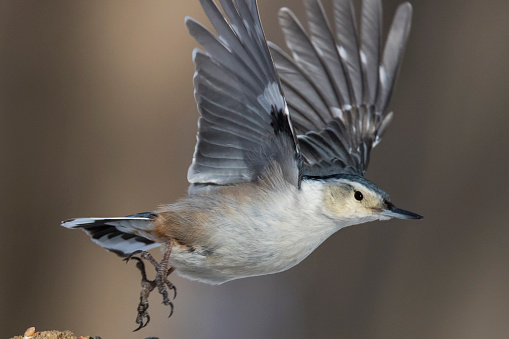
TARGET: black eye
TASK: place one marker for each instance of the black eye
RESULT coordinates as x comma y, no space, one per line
358,195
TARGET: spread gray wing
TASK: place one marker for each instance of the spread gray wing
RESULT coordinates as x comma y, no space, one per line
244,124
338,86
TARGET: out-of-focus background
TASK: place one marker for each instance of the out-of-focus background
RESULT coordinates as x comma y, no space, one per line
97,118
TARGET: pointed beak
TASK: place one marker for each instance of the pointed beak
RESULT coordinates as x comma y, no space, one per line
394,212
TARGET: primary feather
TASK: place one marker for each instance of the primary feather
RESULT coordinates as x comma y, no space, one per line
338,90
244,123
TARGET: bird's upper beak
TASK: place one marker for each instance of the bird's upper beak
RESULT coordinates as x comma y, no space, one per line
394,212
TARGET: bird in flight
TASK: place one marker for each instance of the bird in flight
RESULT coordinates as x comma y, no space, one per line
282,148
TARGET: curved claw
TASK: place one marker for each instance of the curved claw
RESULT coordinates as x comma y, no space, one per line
139,327
132,256
172,287
163,270
148,320
171,312
141,322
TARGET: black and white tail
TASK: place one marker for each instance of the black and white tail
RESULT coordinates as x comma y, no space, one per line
122,235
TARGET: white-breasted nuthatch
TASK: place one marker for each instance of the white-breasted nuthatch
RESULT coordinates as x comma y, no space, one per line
283,144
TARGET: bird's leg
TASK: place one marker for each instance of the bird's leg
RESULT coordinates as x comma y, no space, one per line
161,281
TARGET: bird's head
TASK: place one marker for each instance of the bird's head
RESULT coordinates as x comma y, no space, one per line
353,200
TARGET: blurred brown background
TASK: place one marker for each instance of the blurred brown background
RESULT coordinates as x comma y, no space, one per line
97,118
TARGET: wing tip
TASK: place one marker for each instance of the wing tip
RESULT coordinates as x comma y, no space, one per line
197,51
187,18
284,11
404,10
405,6
193,25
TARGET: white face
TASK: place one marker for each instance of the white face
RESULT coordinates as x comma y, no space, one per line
353,203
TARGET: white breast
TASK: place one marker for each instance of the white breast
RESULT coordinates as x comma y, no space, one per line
270,233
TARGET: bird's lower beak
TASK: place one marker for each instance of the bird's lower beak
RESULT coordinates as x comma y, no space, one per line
394,212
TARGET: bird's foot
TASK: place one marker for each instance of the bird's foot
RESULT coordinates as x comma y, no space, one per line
161,281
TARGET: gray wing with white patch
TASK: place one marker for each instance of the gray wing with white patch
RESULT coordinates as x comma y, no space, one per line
338,85
244,123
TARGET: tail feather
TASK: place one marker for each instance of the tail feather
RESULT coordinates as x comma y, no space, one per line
121,235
